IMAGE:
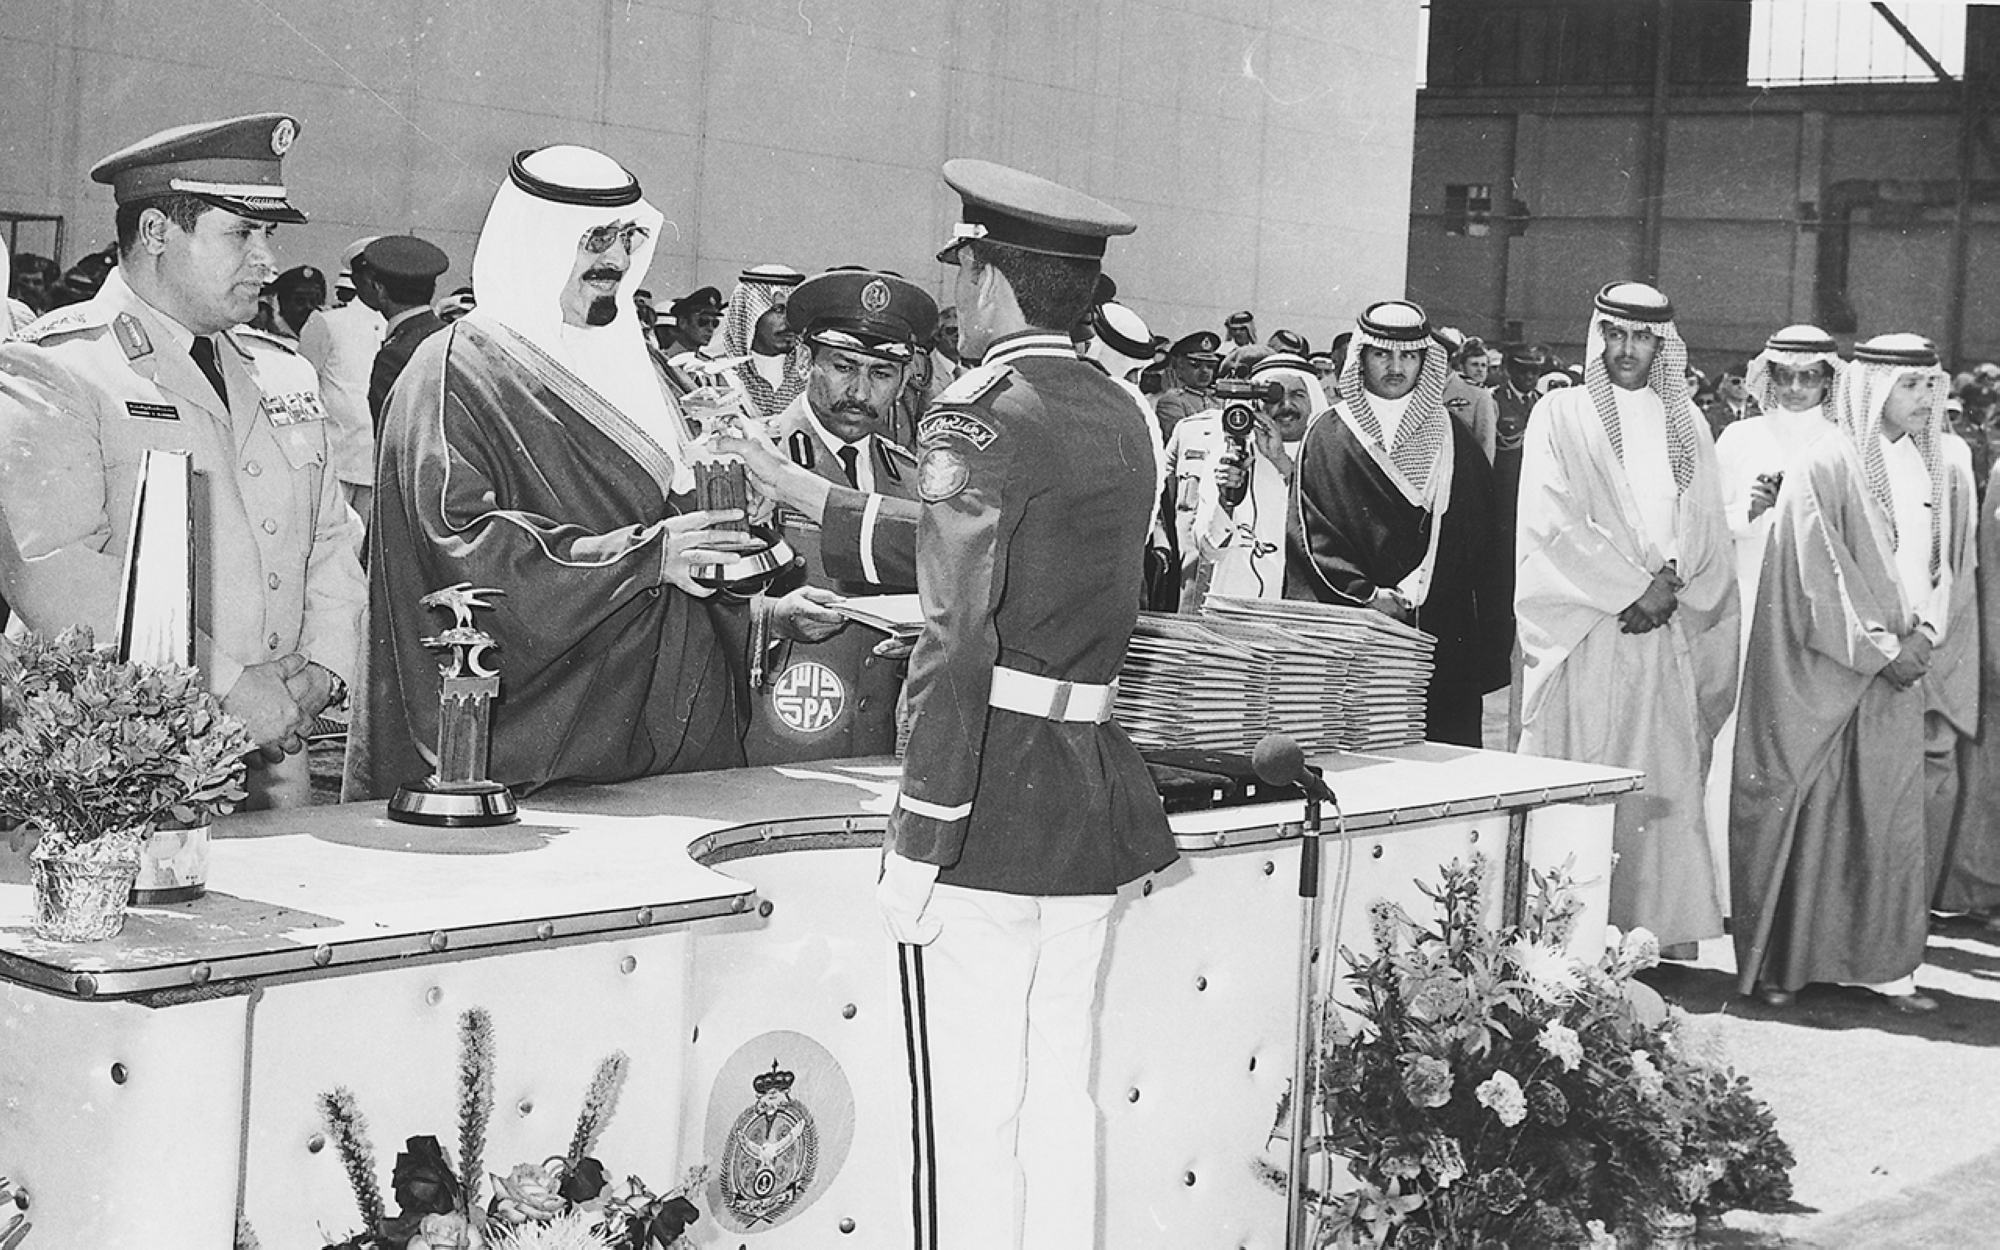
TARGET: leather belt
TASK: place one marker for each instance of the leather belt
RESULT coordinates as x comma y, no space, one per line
1031,694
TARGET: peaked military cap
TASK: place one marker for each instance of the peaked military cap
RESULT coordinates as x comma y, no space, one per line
405,256
1199,346
1635,301
1022,210
235,165
877,314
298,276
701,297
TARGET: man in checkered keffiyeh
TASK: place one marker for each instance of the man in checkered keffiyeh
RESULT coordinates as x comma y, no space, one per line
1393,509
1861,643
763,358
1627,604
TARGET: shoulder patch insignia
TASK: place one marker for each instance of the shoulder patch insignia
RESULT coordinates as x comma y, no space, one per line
941,424
131,336
973,384
942,474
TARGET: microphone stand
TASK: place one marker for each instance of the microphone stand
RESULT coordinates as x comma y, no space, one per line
1302,1065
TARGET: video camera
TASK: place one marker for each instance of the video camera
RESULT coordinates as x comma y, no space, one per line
1239,417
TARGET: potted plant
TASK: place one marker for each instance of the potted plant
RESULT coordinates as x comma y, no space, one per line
1486,1089
94,752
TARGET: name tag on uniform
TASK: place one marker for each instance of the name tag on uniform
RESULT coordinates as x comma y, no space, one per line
1194,453
293,409
151,412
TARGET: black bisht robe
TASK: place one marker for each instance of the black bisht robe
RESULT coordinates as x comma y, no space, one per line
1351,532
497,467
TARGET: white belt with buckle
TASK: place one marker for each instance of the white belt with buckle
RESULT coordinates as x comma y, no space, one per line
1033,695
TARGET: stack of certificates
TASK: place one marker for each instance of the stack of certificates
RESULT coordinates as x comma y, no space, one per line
1331,678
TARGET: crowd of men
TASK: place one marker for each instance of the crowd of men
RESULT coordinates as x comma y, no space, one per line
1764,595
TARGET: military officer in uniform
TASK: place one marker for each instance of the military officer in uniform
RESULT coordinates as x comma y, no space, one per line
397,277
158,360
1191,365
837,698
1023,806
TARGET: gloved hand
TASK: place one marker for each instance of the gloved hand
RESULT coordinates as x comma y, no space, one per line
904,893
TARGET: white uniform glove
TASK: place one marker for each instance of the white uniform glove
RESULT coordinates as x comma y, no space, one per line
903,893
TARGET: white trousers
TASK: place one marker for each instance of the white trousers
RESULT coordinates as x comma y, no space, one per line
1000,1015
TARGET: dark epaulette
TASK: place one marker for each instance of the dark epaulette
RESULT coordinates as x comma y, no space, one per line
974,384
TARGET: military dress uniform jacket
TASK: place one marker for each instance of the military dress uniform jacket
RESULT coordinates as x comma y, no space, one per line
1037,480
84,393
398,345
837,698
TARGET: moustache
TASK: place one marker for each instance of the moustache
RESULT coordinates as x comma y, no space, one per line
603,273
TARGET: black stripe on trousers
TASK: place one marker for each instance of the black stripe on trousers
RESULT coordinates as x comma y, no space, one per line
923,1141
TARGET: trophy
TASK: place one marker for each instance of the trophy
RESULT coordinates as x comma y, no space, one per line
726,484
458,793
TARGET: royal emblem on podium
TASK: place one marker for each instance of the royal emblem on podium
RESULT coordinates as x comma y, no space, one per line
771,1153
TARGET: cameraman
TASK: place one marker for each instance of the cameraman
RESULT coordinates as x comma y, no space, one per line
1240,511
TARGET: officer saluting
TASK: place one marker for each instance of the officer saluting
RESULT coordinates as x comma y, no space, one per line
156,360
1024,806
837,698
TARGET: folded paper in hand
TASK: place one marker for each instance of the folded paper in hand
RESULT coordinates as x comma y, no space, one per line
900,616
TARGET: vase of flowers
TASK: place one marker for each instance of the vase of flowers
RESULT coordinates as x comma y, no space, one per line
95,753
1483,1088
566,1202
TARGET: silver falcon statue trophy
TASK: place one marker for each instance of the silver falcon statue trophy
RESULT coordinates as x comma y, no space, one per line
458,793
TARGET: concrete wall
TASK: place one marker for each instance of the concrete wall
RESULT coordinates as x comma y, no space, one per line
1263,145
1746,176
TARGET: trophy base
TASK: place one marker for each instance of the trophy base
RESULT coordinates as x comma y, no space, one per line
462,807
750,573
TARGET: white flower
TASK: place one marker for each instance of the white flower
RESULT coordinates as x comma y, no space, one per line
1502,1093
1640,950
1561,1043
1600,1237
1646,1077
1550,974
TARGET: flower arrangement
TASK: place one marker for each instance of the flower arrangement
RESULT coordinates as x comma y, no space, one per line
1495,1092
566,1202
94,749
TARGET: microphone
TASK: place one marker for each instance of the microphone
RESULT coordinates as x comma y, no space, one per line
1278,761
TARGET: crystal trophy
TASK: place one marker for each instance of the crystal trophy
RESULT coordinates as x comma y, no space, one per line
458,793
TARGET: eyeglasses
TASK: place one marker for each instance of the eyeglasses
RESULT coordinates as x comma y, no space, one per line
709,320
598,239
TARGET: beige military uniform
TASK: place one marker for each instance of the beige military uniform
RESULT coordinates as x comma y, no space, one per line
84,393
